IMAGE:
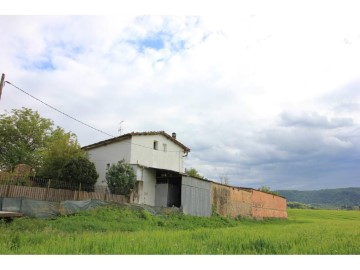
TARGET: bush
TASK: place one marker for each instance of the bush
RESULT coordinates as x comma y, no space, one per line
80,170
120,178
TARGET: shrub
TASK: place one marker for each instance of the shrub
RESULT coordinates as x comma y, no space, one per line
80,170
120,178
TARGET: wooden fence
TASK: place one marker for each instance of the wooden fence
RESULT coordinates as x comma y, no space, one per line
52,194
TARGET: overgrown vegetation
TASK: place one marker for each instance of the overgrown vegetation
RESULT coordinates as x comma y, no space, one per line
120,230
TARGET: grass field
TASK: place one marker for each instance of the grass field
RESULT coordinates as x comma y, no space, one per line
118,230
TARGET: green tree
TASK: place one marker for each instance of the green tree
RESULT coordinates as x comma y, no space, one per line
120,178
80,170
193,173
61,146
23,136
26,137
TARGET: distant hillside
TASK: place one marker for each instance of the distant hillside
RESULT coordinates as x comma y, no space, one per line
328,198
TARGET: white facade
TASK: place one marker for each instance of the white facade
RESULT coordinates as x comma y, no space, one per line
147,178
146,152
168,155
106,155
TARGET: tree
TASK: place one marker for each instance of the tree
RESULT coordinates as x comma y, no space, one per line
61,146
193,173
120,178
80,170
23,136
26,137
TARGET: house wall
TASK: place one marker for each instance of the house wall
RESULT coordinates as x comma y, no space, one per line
145,187
139,151
143,152
137,195
109,154
268,205
195,196
149,186
231,201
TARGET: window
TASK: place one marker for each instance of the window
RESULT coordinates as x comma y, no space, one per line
155,145
108,166
165,147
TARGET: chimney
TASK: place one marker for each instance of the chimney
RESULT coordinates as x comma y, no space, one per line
173,135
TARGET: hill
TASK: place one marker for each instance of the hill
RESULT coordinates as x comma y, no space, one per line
326,198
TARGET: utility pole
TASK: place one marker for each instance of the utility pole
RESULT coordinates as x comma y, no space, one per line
2,83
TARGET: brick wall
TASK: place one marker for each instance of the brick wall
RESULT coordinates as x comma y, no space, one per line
235,201
268,205
231,201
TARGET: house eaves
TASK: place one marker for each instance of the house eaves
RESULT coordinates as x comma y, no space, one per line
106,142
129,135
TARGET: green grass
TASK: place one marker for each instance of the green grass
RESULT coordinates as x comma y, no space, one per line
118,230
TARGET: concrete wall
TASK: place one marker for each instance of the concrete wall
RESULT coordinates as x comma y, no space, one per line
268,205
231,201
109,154
195,196
143,152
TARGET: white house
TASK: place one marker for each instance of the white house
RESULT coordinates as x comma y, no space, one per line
157,159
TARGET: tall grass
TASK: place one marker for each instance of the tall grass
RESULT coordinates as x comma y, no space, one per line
114,230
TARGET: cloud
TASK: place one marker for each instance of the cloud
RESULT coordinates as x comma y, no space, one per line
347,107
262,96
313,120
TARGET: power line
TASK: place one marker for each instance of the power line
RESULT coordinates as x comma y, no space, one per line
73,118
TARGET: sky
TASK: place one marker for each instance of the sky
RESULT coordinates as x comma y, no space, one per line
265,94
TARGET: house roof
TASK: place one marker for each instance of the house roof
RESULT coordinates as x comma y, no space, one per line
129,135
